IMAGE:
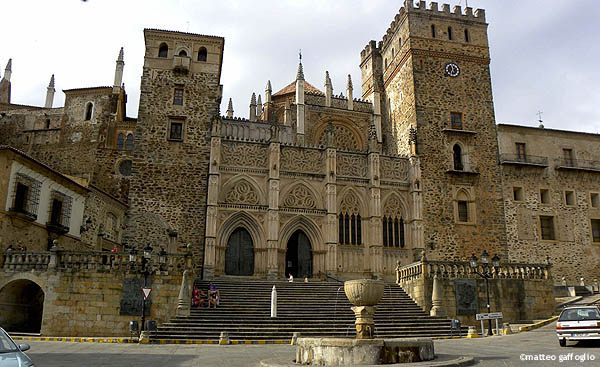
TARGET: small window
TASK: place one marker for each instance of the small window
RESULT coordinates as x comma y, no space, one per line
596,230
595,200
89,108
433,30
547,227
120,141
569,198
178,97
458,159
456,120
393,53
463,211
21,198
163,50
399,43
518,193
183,53
568,157
56,212
521,153
60,209
125,168
450,33
386,63
47,123
129,142
176,130
467,38
202,54
545,196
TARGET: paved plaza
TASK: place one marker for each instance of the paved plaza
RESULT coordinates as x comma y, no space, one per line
523,349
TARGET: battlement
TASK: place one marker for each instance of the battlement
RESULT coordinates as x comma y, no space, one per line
433,9
369,49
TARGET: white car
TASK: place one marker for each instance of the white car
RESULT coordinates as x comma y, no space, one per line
578,323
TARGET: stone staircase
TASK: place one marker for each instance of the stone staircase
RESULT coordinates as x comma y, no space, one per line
314,309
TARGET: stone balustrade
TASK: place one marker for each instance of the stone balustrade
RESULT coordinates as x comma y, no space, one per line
462,269
85,261
254,131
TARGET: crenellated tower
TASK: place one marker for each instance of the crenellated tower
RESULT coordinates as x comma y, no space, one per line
430,79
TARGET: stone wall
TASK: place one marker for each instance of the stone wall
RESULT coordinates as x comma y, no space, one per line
523,292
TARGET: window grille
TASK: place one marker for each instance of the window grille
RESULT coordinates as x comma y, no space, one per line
129,142
349,229
31,198
393,232
64,218
120,140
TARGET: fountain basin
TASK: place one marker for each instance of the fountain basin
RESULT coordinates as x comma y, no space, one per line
344,351
364,292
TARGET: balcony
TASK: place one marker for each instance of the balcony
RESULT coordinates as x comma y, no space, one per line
577,165
22,214
524,160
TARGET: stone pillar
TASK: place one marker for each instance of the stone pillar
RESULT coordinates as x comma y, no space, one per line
375,238
210,247
416,194
252,115
436,299
273,211
365,325
331,233
185,296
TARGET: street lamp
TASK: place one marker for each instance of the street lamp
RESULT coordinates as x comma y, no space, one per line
486,274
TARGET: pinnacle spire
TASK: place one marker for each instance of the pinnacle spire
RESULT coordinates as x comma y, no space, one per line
120,58
300,74
327,80
51,84
349,81
230,109
268,88
8,70
253,99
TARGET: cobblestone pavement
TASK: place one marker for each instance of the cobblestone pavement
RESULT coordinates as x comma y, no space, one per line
514,350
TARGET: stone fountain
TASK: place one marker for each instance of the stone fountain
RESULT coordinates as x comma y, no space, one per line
364,294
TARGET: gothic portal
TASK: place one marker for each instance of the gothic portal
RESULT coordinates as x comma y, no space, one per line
239,256
298,257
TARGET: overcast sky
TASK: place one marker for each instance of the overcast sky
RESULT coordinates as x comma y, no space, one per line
544,53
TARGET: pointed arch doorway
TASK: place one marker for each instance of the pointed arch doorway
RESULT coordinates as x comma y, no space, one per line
298,257
239,256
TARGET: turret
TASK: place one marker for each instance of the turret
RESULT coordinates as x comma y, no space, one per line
268,106
50,93
349,90
230,109
287,114
253,107
259,108
300,102
119,72
328,89
268,92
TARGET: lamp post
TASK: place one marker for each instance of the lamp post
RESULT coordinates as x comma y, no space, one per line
486,274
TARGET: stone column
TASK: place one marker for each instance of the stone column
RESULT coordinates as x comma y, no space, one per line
364,321
416,194
375,238
331,233
273,211
210,249
185,296
436,299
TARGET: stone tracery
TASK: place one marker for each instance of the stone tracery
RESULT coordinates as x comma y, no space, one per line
242,193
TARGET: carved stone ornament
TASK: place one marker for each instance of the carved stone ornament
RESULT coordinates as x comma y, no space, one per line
244,155
351,165
344,138
300,197
301,160
350,204
393,207
394,168
242,193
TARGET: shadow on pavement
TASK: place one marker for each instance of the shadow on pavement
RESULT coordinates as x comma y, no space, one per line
113,360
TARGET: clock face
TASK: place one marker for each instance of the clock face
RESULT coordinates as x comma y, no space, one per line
452,70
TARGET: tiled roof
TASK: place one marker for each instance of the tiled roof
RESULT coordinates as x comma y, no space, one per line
291,88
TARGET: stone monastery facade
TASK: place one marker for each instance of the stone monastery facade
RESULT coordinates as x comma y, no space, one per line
315,183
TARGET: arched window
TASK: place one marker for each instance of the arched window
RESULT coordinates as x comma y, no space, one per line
393,53
467,38
125,168
393,223
400,43
88,111
47,123
450,33
350,222
120,140
433,30
163,50
183,53
458,158
129,142
202,53
386,63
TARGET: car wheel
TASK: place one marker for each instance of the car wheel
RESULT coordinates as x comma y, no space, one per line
562,342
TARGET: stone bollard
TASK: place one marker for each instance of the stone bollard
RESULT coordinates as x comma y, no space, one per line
436,299
472,332
506,330
185,296
295,337
224,338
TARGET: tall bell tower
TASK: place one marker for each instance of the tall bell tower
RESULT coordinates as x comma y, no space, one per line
431,74
180,96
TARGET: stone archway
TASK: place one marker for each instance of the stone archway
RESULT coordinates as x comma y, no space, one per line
298,257
239,255
21,306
